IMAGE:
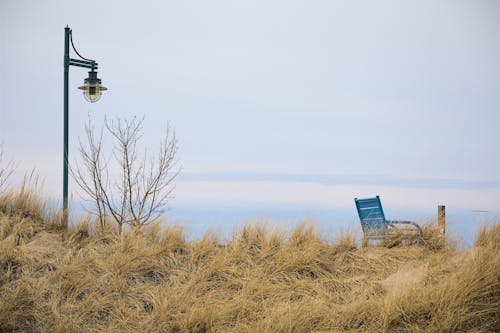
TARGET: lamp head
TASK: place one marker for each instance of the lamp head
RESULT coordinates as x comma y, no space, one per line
92,87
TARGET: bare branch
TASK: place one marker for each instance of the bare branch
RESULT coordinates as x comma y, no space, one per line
137,191
6,169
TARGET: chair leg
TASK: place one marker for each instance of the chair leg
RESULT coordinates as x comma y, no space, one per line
365,242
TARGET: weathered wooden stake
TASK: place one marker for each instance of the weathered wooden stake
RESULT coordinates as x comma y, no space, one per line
441,219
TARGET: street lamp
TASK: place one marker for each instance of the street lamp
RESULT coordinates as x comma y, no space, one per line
92,89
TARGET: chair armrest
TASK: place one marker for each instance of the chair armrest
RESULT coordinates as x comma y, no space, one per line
402,222
407,222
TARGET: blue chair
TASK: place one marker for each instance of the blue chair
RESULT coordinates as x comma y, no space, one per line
376,227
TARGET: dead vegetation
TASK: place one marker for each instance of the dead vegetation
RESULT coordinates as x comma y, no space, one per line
261,280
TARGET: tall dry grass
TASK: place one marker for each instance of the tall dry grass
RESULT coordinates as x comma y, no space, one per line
260,280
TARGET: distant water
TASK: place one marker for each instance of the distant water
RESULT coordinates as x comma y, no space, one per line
223,219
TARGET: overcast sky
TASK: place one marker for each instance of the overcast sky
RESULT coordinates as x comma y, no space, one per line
272,101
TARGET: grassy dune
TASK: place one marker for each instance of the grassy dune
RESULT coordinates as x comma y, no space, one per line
261,280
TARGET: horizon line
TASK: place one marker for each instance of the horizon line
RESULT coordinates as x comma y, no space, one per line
338,179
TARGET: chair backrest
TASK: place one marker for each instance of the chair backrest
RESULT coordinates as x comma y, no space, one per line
371,216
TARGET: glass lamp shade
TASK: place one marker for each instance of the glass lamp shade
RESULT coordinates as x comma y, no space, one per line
92,87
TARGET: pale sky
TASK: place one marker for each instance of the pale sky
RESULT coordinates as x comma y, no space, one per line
295,102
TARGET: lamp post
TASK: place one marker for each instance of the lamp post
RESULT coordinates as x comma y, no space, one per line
92,89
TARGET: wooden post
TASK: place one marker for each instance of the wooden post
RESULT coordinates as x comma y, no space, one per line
441,219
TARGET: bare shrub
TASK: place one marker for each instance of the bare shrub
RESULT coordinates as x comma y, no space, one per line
6,169
125,187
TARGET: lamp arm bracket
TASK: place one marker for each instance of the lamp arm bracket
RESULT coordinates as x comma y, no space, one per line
74,48
83,63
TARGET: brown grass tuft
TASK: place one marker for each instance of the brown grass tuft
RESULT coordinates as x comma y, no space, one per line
489,236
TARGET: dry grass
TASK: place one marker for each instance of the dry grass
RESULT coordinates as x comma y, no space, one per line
261,280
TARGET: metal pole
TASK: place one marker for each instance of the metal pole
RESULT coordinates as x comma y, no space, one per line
67,31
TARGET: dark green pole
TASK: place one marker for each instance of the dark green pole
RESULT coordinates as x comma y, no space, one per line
93,81
67,31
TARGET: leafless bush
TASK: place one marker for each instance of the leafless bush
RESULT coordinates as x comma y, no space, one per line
6,169
125,187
